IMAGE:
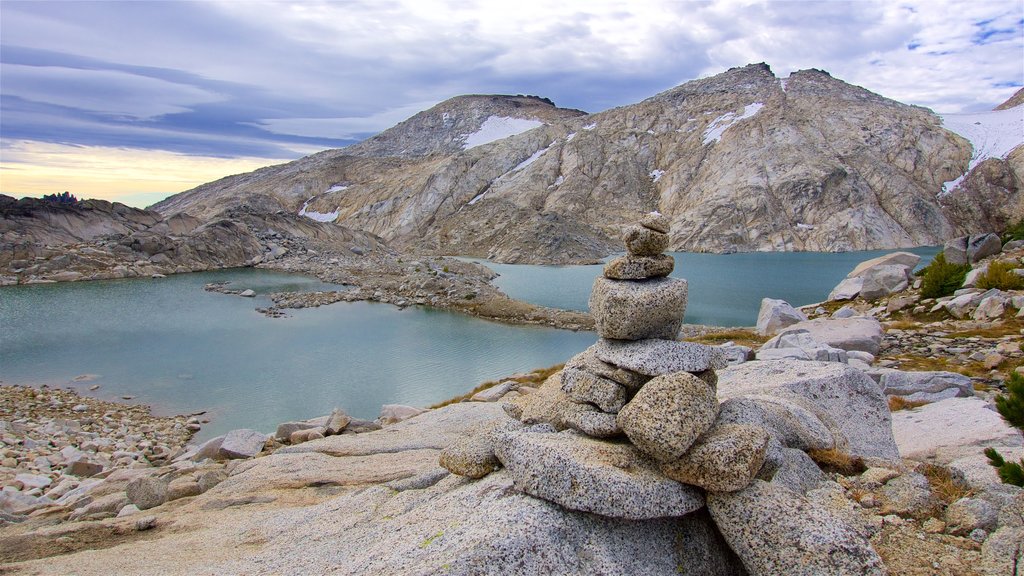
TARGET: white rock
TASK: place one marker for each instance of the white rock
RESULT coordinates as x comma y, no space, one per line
925,386
848,289
242,443
859,333
963,424
392,413
775,315
845,399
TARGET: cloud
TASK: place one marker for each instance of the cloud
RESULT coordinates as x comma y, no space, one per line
105,91
342,128
222,78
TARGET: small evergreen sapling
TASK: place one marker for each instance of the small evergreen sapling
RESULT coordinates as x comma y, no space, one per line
1011,408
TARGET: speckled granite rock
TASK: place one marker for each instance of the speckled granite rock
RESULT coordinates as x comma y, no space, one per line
908,495
642,241
655,221
793,469
588,361
632,310
788,421
668,414
845,399
591,421
655,357
777,531
582,386
472,455
639,267
723,459
608,478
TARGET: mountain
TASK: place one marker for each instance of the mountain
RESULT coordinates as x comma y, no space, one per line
740,161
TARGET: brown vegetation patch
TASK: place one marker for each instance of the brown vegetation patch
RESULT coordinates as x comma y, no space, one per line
901,403
1008,325
532,379
740,336
837,461
944,486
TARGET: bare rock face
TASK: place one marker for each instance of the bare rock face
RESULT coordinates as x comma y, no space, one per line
740,161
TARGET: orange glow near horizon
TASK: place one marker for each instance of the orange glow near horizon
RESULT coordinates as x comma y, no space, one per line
134,177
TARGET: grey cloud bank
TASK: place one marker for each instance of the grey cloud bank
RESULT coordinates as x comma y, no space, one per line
280,79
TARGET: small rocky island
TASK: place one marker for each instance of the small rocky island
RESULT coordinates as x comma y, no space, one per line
831,440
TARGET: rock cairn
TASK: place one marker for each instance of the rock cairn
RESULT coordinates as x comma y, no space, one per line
637,381
631,429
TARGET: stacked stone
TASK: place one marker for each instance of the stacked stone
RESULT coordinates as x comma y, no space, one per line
637,381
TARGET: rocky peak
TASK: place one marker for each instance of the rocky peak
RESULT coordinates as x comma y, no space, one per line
460,123
1016,100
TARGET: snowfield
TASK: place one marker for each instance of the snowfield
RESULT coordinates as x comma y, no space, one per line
319,216
992,135
719,125
498,127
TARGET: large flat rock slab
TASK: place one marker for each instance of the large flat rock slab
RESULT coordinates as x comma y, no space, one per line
295,471
599,476
857,333
951,428
434,429
846,400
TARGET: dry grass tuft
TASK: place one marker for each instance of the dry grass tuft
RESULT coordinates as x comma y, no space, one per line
737,335
902,325
534,378
837,461
901,403
1009,325
944,486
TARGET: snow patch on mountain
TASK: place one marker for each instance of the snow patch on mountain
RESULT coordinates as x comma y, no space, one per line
991,134
320,216
498,127
719,125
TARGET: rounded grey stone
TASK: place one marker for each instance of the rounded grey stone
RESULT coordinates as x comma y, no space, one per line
724,459
655,221
641,241
634,310
777,531
668,414
639,267
582,386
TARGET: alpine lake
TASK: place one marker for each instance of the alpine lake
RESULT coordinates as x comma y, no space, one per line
168,343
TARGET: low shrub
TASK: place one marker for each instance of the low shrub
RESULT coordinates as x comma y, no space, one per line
1011,408
1000,275
940,278
901,403
1014,231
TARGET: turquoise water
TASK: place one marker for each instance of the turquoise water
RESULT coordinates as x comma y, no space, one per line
724,289
172,345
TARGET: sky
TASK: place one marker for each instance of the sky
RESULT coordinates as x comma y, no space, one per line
134,101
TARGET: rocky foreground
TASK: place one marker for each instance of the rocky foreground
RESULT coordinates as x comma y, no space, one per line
790,451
